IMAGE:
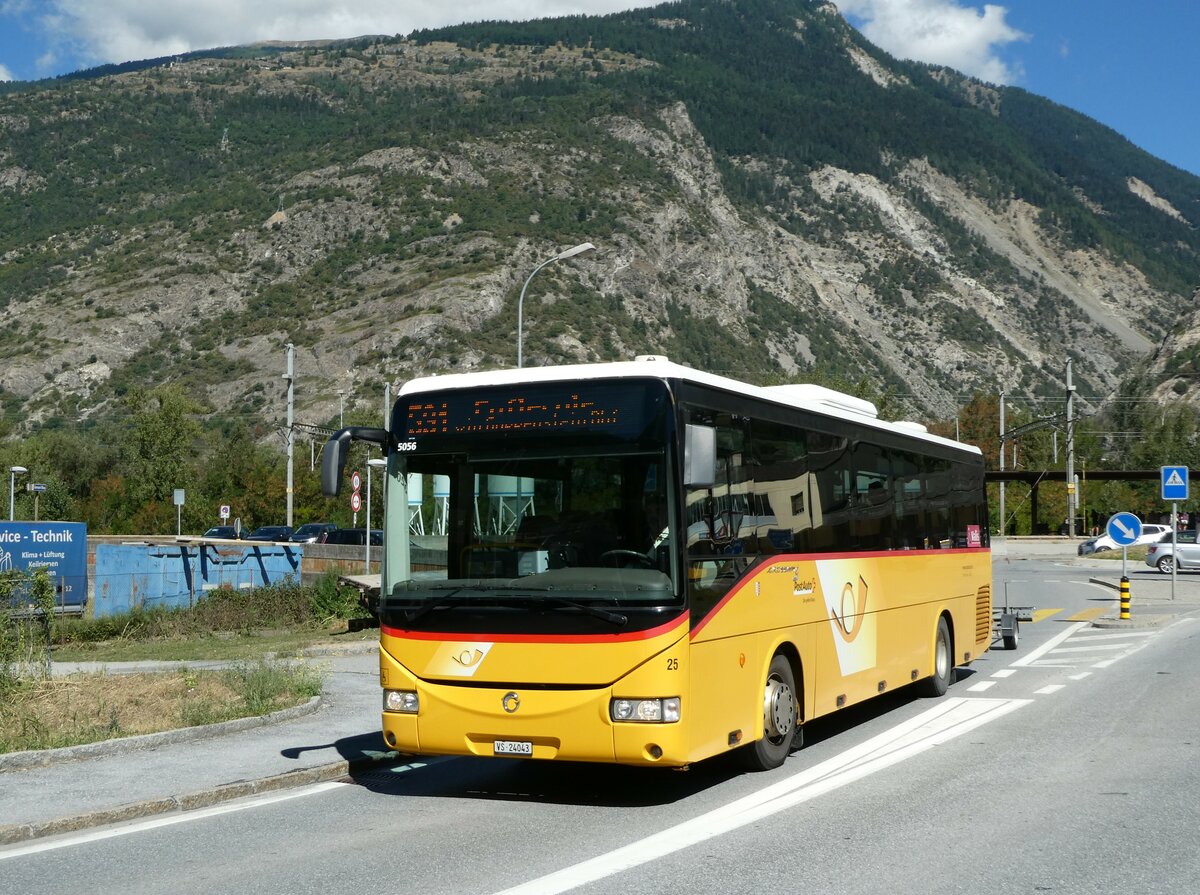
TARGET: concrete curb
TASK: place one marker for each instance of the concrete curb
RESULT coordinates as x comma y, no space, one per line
15,761
27,832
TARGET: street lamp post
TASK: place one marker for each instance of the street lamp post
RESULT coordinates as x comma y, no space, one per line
13,472
568,253
375,463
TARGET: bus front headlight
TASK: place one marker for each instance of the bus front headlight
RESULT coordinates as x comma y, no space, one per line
405,701
653,711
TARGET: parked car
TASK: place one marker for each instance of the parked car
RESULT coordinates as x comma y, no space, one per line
222,531
1162,553
270,533
354,536
312,533
1150,534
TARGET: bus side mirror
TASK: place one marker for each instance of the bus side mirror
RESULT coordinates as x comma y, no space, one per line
699,456
333,460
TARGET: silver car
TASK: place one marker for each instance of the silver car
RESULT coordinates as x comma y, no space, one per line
1162,555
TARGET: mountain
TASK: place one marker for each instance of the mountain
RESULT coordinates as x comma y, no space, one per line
771,197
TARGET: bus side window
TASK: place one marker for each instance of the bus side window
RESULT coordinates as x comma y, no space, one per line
720,546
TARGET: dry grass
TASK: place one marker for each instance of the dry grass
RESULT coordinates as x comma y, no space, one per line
88,708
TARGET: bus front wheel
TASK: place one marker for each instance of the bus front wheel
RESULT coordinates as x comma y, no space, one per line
781,733
943,663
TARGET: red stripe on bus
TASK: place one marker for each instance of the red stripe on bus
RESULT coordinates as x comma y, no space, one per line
539,638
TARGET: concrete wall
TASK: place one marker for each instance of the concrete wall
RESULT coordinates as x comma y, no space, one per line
129,576
124,573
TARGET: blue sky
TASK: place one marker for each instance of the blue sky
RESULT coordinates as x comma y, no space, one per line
1132,66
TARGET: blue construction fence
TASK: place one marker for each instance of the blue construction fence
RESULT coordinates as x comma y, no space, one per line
173,575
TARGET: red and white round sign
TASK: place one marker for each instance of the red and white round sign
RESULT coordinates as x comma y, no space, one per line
356,480
356,501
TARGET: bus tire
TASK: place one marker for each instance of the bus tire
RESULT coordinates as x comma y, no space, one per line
943,663
780,714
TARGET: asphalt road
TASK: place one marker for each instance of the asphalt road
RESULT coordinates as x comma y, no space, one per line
1069,766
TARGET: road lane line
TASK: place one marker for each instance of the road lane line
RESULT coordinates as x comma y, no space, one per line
981,686
1047,646
954,717
1099,647
167,821
1043,614
1087,615
1115,635
1004,672
1048,689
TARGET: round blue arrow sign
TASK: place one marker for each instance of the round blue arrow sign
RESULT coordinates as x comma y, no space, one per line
1124,529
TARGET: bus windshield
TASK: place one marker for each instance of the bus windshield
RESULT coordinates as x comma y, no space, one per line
573,516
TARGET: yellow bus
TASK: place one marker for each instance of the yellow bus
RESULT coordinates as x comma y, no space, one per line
641,563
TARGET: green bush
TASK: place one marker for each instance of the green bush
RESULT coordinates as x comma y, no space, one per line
284,606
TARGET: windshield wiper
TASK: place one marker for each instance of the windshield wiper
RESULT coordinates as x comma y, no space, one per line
451,601
600,612
447,602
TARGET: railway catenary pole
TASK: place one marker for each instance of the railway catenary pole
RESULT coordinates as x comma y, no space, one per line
1070,453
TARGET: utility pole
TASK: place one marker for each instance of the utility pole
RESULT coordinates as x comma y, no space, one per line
291,432
1070,454
1003,528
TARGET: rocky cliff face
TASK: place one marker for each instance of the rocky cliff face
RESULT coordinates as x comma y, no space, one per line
318,196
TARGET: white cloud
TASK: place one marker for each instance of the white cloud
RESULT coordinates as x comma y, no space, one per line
5,74
124,30
941,32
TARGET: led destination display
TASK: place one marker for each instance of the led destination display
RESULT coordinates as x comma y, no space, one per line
622,409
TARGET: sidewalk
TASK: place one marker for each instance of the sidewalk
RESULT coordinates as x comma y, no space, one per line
61,790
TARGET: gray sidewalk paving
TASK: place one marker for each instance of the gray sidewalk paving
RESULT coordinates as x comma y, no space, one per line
143,776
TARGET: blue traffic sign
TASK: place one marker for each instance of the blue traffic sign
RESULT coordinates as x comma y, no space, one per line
1174,482
1124,529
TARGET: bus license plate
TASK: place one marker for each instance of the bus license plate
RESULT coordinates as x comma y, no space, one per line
513,747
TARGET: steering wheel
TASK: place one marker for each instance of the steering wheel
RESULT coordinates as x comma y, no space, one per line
632,558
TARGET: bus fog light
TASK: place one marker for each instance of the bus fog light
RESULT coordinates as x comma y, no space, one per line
401,701
652,711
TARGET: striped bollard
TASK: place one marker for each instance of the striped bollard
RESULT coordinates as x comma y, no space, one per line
1124,597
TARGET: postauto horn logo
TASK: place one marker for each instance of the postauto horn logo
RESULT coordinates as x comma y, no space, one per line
846,590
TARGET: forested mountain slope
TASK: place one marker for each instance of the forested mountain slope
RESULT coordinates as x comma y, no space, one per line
771,197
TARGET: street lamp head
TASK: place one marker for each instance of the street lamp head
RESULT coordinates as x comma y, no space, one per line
18,470
575,250
376,462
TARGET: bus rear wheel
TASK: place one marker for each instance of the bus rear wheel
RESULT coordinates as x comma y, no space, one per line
943,663
781,733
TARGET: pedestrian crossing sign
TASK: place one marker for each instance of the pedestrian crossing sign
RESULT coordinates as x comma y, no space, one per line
1174,483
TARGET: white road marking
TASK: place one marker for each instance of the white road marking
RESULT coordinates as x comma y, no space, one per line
1048,689
1119,635
1090,649
981,686
1081,675
1048,645
952,718
166,821
1004,672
